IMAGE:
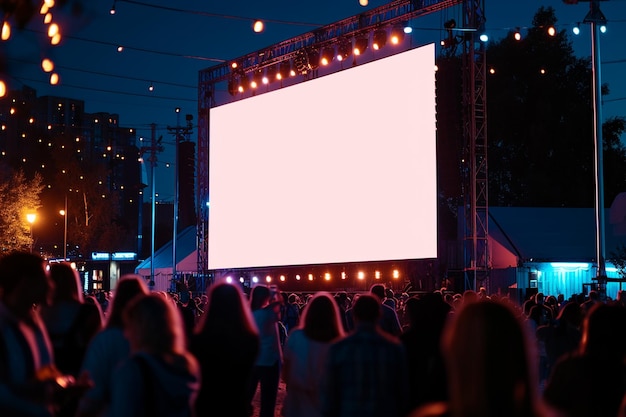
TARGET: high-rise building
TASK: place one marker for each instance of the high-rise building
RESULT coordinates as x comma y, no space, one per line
87,158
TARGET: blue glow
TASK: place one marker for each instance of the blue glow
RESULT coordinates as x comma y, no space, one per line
581,265
484,37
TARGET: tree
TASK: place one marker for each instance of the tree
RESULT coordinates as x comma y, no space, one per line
19,196
618,258
540,126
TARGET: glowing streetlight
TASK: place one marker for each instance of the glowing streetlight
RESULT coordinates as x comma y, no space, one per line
30,218
64,214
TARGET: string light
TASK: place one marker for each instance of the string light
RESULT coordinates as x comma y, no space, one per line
47,65
6,31
258,26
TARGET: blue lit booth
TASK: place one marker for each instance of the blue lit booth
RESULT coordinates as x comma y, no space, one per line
104,269
553,250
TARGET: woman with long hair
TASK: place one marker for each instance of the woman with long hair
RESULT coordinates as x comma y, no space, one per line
226,344
71,322
108,348
305,355
160,377
489,361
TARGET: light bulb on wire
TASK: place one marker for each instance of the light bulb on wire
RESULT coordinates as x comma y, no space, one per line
258,26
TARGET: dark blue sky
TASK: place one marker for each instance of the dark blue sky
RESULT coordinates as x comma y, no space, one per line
168,48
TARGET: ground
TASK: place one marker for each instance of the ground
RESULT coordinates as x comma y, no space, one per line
279,400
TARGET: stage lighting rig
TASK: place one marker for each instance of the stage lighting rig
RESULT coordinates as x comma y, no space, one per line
379,39
344,49
360,45
327,55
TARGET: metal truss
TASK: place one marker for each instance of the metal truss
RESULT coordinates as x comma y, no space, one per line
476,210
474,104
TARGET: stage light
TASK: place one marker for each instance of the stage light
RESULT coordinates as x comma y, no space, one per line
360,45
270,74
576,29
397,35
314,58
344,50
256,79
603,28
551,31
241,83
284,70
517,35
327,55
379,39
112,10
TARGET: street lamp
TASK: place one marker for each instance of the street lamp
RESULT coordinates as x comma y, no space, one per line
31,217
64,214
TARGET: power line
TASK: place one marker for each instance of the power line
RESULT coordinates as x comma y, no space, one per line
218,15
132,48
195,87
21,80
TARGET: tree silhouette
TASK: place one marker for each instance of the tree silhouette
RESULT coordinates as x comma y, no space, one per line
540,126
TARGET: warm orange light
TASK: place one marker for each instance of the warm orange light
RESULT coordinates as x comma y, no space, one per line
6,31
47,18
3,92
258,26
47,65
54,78
551,31
53,29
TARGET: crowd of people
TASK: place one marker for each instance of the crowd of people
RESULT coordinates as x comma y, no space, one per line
372,353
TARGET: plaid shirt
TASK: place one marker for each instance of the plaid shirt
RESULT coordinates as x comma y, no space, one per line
366,376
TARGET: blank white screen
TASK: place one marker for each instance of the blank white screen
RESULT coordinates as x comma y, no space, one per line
341,168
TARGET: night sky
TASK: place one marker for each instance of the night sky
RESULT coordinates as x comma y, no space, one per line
166,46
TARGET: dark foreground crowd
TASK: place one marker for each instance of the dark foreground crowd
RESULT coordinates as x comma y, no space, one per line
369,354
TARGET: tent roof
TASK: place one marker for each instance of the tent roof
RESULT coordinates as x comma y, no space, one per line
564,234
185,248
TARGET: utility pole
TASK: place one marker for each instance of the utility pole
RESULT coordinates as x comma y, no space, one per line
155,146
596,20
179,134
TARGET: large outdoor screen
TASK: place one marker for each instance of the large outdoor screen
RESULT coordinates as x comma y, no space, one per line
337,169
